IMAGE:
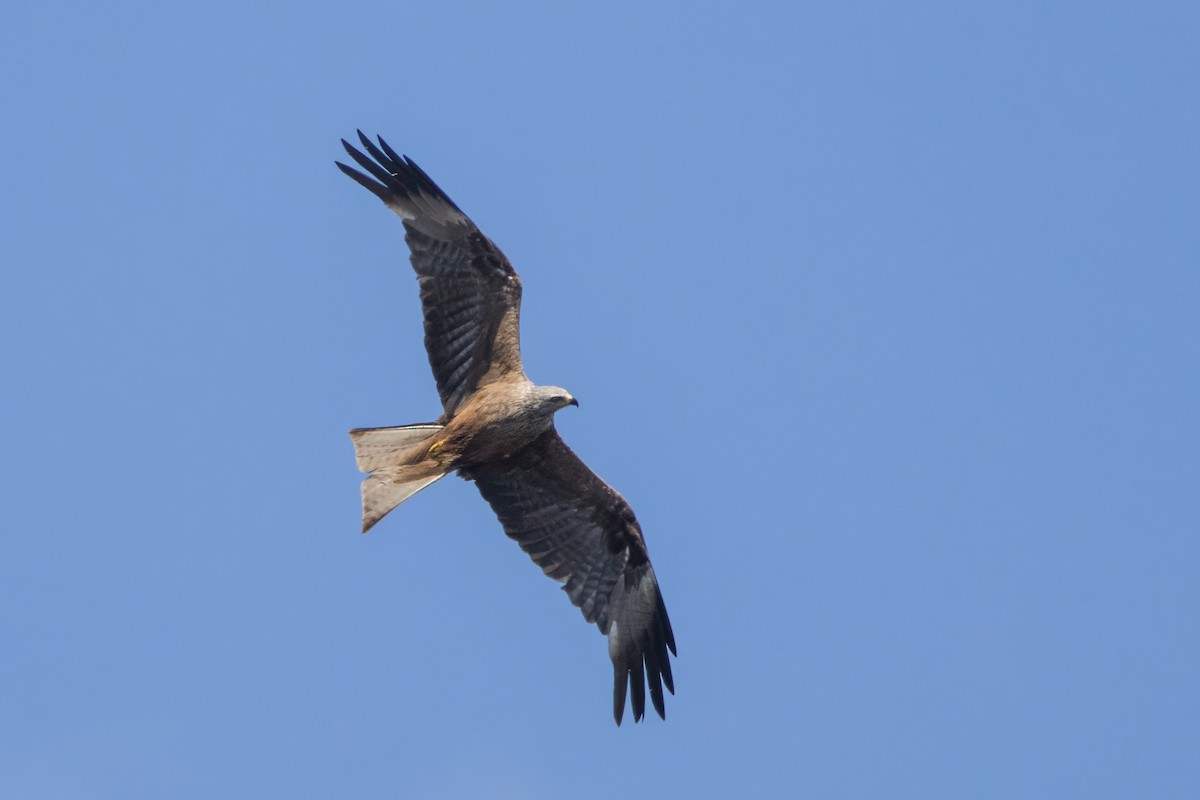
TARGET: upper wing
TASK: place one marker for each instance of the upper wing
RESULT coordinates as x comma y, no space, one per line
470,294
581,532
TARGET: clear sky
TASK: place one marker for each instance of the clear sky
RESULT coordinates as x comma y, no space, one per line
884,317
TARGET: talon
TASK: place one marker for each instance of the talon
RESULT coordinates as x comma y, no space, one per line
436,445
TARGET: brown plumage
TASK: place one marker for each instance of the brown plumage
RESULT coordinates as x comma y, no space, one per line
497,429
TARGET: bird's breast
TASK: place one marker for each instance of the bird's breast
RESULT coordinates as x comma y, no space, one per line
490,431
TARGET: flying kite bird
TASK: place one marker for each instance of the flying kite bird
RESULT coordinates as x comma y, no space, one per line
497,429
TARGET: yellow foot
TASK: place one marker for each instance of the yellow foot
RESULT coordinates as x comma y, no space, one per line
433,447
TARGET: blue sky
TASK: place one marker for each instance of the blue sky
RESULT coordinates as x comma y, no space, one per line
884,317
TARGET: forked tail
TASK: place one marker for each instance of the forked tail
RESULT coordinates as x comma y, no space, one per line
395,457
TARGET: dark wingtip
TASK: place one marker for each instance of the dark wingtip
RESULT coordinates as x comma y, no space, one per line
427,183
380,191
387,149
619,682
668,635
643,666
399,175
654,675
637,681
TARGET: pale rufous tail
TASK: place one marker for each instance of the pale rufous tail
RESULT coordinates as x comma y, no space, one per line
395,457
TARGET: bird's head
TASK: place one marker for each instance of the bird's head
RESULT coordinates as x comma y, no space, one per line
556,397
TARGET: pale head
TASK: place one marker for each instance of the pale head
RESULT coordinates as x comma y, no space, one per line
553,398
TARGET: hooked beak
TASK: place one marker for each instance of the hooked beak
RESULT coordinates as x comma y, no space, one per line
573,402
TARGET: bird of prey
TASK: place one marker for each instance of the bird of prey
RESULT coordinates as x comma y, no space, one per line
497,429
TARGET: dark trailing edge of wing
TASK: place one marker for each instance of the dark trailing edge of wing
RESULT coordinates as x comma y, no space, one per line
397,175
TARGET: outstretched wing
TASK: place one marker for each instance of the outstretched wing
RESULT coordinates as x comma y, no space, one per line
581,532
470,293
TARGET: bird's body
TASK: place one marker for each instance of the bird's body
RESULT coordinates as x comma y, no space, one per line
497,429
497,421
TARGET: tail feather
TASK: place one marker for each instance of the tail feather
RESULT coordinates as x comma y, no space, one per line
376,448
387,488
395,457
